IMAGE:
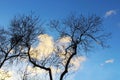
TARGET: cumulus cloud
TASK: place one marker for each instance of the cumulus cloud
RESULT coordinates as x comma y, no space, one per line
5,75
35,70
47,46
62,43
44,48
110,12
76,62
65,40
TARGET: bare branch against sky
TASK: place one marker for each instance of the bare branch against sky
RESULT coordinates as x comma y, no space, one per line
49,44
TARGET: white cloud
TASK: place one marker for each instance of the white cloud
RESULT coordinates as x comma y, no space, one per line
5,75
110,12
35,70
76,62
47,45
62,44
65,40
109,61
44,48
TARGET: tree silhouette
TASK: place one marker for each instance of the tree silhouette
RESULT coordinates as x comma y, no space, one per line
24,37
83,31
27,29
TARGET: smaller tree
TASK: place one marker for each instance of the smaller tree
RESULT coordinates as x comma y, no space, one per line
20,36
24,31
5,47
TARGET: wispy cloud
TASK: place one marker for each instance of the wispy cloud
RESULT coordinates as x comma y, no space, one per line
109,61
110,12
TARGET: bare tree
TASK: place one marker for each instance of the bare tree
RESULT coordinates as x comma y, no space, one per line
27,28
21,39
83,31
5,47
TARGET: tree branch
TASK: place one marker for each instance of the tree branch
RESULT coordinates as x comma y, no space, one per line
68,62
37,65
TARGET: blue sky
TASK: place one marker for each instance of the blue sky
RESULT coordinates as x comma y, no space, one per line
102,64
